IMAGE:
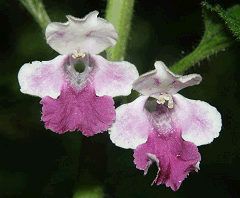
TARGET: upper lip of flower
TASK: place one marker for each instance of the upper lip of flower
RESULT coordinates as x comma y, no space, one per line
91,33
162,81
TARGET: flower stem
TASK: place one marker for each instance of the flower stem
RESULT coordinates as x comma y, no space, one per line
36,8
119,13
216,38
204,50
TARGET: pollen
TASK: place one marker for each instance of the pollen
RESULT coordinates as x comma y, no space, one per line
162,101
170,105
78,53
164,98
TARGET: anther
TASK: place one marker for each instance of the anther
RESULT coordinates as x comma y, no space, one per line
164,98
162,101
170,105
77,54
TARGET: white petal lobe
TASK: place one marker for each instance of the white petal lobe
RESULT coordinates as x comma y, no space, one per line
200,122
92,34
132,126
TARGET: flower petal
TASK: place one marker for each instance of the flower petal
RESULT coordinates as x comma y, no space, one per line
199,121
131,126
162,80
78,110
91,33
113,78
174,157
43,78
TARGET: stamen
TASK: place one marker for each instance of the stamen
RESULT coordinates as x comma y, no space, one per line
170,102
162,101
78,53
164,98
170,105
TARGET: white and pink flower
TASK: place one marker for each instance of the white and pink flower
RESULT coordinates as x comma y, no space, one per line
78,100
166,130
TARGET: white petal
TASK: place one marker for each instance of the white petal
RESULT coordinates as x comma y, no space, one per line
113,78
43,78
162,80
132,126
200,122
92,34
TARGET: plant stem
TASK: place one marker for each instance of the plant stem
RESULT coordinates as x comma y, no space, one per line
216,38
204,50
36,8
119,13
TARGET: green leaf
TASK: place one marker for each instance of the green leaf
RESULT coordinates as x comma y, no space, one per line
230,18
222,29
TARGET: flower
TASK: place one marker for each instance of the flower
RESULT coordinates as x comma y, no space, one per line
166,130
72,99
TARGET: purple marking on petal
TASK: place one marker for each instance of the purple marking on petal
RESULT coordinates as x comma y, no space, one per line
89,33
81,110
157,81
61,34
174,157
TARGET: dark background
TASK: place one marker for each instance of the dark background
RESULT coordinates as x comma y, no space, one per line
35,162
